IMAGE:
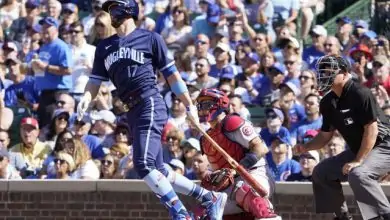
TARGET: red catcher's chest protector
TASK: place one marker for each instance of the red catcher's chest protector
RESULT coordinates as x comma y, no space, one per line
219,134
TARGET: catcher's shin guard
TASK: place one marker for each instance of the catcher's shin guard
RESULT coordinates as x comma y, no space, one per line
251,202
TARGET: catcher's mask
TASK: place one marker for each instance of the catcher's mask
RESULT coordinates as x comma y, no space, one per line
327,69
214,102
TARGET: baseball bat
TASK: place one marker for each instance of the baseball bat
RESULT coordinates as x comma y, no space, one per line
235,165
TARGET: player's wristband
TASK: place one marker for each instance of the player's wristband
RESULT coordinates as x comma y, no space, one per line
179,88
249,160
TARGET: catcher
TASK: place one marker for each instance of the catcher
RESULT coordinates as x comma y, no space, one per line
238,138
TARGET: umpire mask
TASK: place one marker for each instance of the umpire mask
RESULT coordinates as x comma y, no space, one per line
327,68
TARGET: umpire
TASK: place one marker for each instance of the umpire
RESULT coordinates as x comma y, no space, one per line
351,109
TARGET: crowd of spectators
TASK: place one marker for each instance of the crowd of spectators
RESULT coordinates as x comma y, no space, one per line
250,50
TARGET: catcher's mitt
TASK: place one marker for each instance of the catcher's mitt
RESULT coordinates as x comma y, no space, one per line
219,180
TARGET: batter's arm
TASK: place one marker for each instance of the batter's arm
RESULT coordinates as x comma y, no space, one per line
258,147
319,141
92,89
184,96
368,141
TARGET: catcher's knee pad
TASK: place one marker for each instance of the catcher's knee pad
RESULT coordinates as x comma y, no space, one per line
251,202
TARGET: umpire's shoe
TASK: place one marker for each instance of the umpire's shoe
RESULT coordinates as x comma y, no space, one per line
214,203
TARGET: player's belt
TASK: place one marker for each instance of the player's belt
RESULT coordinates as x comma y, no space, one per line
131,103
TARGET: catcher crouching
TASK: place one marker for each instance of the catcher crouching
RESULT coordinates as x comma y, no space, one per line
239,139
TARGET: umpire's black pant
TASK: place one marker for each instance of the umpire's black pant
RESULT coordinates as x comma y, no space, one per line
327,177
47,105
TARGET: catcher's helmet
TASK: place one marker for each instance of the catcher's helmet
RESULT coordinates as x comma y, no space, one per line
214,101
128,8
327,68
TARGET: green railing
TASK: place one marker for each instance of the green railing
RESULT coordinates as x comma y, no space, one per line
359,10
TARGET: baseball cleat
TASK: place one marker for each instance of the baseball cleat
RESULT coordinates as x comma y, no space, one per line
182,215
215,207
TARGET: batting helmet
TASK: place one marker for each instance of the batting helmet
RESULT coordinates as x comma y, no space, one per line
213,101
327,68
128,8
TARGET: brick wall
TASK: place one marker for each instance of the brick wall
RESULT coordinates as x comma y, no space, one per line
104,200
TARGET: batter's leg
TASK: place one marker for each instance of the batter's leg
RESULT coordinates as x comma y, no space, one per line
213,202
147,123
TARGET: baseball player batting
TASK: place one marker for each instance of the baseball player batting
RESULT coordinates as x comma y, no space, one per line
130,59
238,138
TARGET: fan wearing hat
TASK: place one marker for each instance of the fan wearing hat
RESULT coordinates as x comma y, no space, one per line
190,147
23,91
344,30
275,118
307,162
207,25
51,68
69,13
316,50
288,103
81,129
60,121
381,71
361,55
103,125
360,26
281,166
275,75
31,148
177,166
222,59
250,79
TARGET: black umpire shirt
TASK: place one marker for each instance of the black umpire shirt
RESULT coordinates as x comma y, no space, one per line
349,113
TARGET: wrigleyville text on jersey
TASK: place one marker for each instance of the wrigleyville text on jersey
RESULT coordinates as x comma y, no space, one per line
124,53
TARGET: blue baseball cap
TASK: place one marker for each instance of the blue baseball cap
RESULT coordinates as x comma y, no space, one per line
361,24
283,139
253,56
213,13
49,21
69,7
344,19
227,73
278,67
37,28
273,113
59,112
33,3
370,34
